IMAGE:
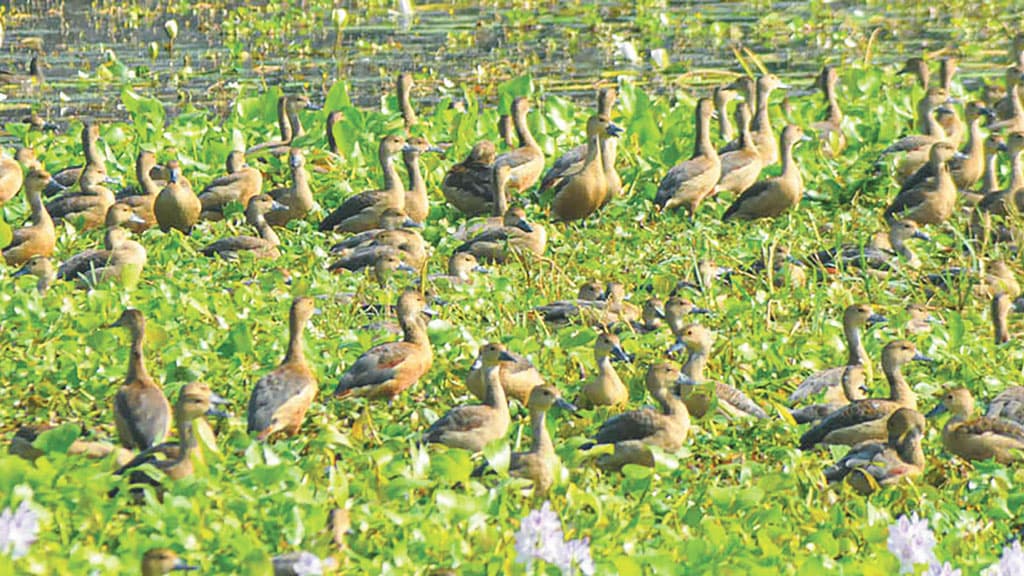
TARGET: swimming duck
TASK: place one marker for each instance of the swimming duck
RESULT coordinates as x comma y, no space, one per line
651,315
263,246
517,374
386,370
160,561
741,167
405,84
605,388
527,161
573,160
516,236
474,426
362,211
831,380
872,465
721,96
68,177
687,184
42,268
240,184
830,130
296,200
978,438
417,203
632,432
581,191
469,185
771,197
39,237
590,294
177,206
11,177
141,411
864,420
932,201
692,382
280,399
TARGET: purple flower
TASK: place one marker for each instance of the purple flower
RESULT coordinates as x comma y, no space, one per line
946,569
1010,564
18,530
575,555
912,542
539,537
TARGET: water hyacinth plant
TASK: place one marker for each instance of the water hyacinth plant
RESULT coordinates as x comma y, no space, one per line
540,537
913,544
18,530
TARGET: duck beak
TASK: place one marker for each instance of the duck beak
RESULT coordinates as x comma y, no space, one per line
277,207
182,566
960,156
619,354
944,109
1002,147
659,313
698,310
921,358
784,86
614,130
480,269
215,413
410,148
932,319
23,271
312,106
218,399
136,219
410,223
295,162
987,113
921,235
524,226
940,409
876,318
435,149
566,405
506,357
676,347
405,268
428,311
685,380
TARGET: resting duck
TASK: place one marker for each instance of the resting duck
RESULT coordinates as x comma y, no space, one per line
1008,405
461,267
469,185
978,438
693,384
83,262
141,411
142,204
390,219
11,177
177,206
883,252
527,161
88,207
296,201
68,177
932,201
39,237
406,243
590,294
264,246
772,197
605,388
42,268
687,184
516,236
240,184
362,211
872,465
741,167
161,561
518,378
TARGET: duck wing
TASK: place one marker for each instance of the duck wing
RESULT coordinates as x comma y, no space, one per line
633,425
83,263
852,414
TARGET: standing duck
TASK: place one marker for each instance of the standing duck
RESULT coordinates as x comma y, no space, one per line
417,203
772,197
573,160
141,411
518,378
475,426
527,161
864,420
296,200
11,177
632,432
978,438
933,200
605,388
721,96
887,463
142,203
39,237
731,401
579,193
241,183
687,184
761,128
177,206
469,185
967,168
362,211
263,246
280,399
830,130
741,167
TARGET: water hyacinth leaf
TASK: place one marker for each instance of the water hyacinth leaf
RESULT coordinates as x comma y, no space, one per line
57,440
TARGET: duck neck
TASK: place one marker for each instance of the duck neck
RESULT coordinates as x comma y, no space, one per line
149,188
494,396
523,131
186,437
609,150
725,129
1017,171
991,178
417,187
266,231
746,138
910,450
284,123
137,358
857,356
899,390
670,404
296,124
933,127
92,151
789,167
405,103
500,199
392,181
296,326
300,183
414,330
332,142
702,145
762,120
39,212
975,146
593,151
541,439
1000,322
695,363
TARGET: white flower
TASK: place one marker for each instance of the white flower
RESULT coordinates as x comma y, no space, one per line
539,537
308,564
1010,564
946,569
575,555
338,16
18,530
171,28
912,542
660,57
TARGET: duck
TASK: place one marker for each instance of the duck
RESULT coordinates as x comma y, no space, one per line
932,201
405,243
469,185
687,184
123,263
722,96
289,123
677,309
771,197
141,411
461,266
142,204
1008,405
35,72
516,236
472,427
1005,202
1007,107
919,319
864,420
615,310
996,278
87,208
68,177
417,203
761,127
581,191
240,184
404,85
334,119
538,464
160,561
390,219
281,398
39,237
11,177
779,267
977,438
967,168
573,160
386,370
833,381
177,207
691,384
518,378
830,130
264,246
25,436
295,201
527,161
362,211
872,465
507,131
605,388
88,262
882,252
746,90
652,313
916,147
852,385
284,125
995,144
631,433
589,294
705,273
741,167
42,268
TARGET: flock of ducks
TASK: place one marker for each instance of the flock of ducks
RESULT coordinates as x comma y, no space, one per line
378,230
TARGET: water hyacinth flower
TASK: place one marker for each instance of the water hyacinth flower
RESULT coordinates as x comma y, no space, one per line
302,564
1011,563
912,542
946,569
575,555
539,537
18,530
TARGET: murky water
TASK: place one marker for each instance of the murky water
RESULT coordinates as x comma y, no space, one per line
95,48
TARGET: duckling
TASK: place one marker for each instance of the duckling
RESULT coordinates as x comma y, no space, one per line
141,411
42,268
721,96
68,177
177,206
651,315
573,160
473,427
296,200
538,465
590,294
386,370
527,161
882,252
978,438
931,201
919,320
517,235
11,177
417,203
518,378
240,184
831,380
830,130
469,185
362,211
581,191
605,388
281,398
687,184
461,266
160,561
731,401
632,432
864,420
264,246
771,197
872,465
39,237
405,84
741,167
